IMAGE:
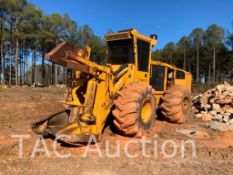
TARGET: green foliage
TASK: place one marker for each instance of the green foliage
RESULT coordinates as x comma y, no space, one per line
201,43
183,43
26,29
156,55
168,52
214,35
196,38
230,38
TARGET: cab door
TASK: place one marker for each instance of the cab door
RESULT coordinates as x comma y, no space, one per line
143,60
158,80
180,77
183,78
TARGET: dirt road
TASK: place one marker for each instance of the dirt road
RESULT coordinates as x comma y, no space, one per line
19,107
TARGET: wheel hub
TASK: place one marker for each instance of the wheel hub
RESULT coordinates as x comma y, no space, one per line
185,104
146,112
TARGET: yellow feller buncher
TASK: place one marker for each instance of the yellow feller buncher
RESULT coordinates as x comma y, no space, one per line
131,86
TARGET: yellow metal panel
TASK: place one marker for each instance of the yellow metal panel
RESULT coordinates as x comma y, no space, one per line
102,106
142,77
143,37
117,36
187,82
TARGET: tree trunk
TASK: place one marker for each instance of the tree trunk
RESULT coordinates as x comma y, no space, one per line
189,66
33,66
56,70
20,64
3,63
43,67
184,65
55,74
197,71
2,50
25,66
209,76
171,58
214,65
10,55
65,74
16,60
51,74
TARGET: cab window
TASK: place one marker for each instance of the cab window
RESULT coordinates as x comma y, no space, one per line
143,48
157,78
180,75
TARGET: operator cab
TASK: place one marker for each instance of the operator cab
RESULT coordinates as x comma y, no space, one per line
162,76
120,51
130,47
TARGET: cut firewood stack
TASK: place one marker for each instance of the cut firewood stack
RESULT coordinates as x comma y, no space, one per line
216,104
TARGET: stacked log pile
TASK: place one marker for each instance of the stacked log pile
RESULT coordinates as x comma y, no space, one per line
216,104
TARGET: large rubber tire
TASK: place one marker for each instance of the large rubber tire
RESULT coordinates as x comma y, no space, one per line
175,104
135,109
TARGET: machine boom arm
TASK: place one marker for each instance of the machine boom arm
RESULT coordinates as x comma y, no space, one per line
77,59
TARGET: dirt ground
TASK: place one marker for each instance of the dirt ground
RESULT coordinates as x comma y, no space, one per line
19,107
